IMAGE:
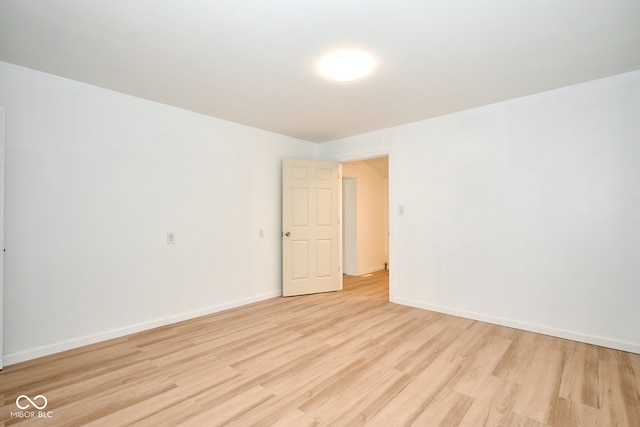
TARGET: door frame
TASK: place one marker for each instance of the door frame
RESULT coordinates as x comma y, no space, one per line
390,202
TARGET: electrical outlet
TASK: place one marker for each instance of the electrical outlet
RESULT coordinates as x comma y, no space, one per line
261,233
171,238
401,210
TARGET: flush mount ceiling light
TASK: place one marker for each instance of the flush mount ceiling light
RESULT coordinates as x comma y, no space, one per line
346,65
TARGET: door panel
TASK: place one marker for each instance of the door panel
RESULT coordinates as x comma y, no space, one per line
311,230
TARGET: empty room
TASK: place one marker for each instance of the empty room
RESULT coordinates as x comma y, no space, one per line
320,213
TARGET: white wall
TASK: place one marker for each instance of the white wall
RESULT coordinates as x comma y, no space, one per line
94,181
1,231
524,213
372,215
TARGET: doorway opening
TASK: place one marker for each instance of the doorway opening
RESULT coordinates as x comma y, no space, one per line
365,216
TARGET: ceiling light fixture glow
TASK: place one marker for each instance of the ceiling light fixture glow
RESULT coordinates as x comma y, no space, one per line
346,65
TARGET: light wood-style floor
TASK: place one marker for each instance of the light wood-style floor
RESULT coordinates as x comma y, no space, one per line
345,358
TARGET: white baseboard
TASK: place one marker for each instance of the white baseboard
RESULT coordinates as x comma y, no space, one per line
22,356
559,333
371,270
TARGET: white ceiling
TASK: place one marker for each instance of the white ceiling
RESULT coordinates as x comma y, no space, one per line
253,61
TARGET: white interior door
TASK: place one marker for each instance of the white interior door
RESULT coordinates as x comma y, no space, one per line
311,231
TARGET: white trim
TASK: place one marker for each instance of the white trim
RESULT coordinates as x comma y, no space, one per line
559,333
23,356
371,270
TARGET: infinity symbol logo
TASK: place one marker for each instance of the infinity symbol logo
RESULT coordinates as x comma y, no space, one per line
23,397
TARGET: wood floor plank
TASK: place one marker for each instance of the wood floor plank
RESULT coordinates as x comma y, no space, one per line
418,360
635,366
292,388
167,402
377,401
360,400
170,415
228,411
447,409
619,394
411,401
538,395
580,375
348,358
467,344
573,414
494,406
522,421
291,418
480,365
82,411
518,358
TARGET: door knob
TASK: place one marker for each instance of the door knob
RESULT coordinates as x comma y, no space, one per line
287,234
